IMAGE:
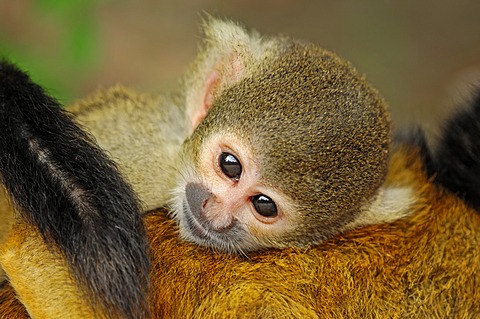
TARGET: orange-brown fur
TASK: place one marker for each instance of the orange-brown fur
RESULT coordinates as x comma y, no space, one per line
7,220
10,306
422,266
41,277
426,265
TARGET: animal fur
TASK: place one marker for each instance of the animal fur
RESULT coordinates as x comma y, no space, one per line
425,265
61,183
136,117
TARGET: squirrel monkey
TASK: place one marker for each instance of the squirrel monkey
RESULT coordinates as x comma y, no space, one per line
290,146
286,144
422,264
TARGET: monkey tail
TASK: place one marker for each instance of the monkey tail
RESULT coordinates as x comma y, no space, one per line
66,186
456,159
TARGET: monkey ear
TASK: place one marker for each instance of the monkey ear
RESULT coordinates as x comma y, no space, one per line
227,71
228,56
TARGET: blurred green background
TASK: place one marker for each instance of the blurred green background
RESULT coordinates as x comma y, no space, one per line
422,55
55,41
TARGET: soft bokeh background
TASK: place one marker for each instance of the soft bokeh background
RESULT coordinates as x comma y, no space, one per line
420,54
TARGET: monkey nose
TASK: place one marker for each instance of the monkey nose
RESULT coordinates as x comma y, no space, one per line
197,195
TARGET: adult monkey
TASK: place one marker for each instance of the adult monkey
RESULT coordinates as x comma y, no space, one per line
375,271
422,266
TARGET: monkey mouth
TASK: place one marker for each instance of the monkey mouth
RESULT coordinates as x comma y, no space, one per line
195,227
200,233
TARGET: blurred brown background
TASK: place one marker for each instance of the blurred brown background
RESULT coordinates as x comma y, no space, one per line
420,54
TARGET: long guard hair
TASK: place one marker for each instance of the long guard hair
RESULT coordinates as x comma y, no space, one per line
62,183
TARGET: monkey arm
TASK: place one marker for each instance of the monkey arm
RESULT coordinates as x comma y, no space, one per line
138,131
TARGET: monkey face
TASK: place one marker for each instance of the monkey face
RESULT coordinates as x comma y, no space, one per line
222,203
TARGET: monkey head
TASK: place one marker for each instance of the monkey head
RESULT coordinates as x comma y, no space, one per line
289,145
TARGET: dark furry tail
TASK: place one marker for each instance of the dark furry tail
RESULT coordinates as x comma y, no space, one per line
456,159
66,186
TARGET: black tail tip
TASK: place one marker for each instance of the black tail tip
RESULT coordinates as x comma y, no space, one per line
11,74
15,84
457,155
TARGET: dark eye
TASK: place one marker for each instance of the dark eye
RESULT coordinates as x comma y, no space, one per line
264,205
230,166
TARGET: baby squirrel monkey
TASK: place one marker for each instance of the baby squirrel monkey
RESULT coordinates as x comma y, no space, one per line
286,144
290,145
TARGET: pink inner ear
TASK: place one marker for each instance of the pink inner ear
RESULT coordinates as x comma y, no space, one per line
210,85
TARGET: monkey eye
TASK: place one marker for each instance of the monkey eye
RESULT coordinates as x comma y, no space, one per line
230,166
264,205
